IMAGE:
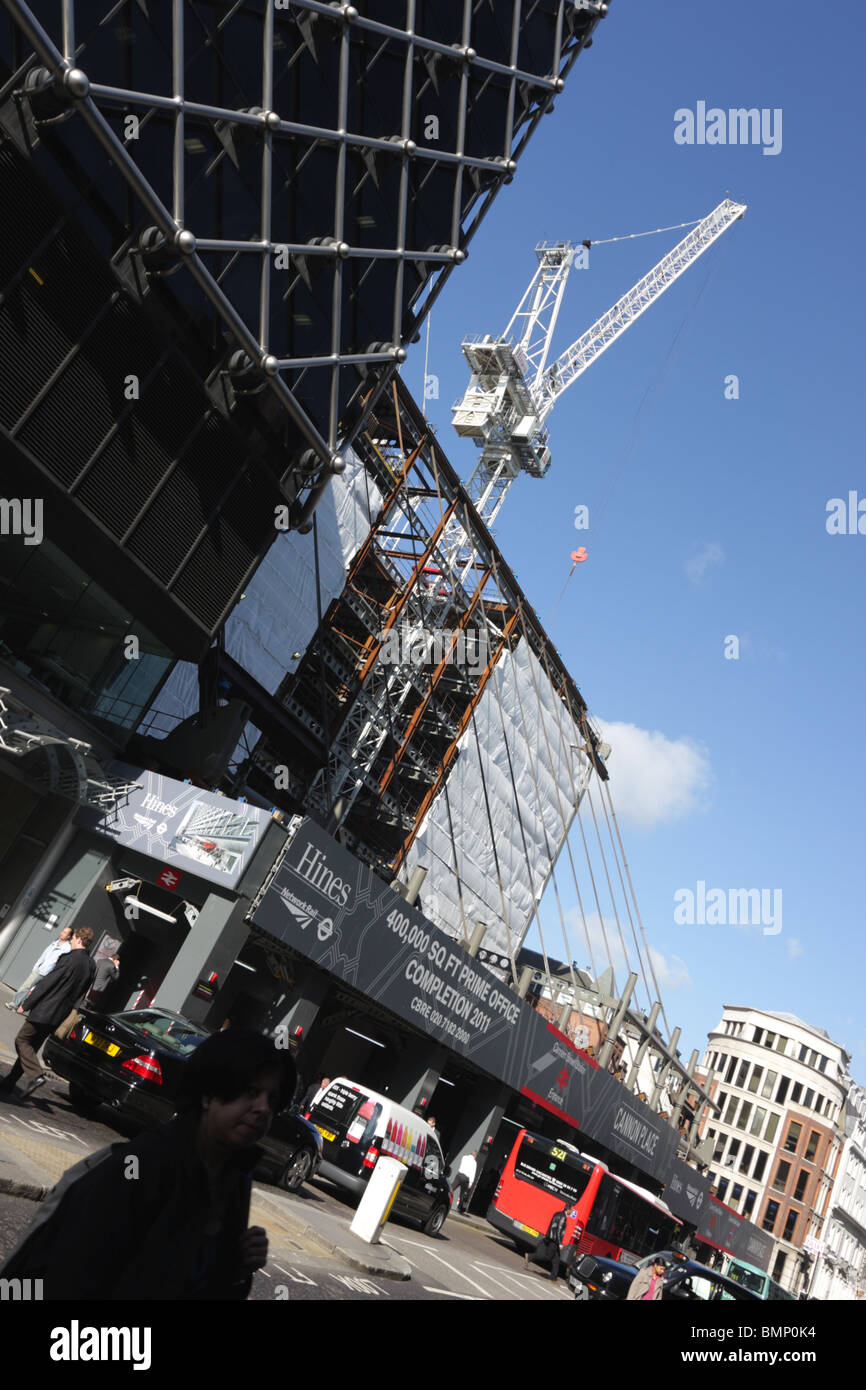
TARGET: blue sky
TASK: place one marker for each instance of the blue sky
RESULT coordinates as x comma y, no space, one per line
707,515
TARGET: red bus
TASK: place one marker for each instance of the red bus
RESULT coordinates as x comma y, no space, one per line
605,1214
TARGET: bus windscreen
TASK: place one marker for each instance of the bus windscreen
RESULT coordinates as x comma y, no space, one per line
554,1170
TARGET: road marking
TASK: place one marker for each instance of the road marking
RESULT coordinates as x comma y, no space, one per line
453,1268
493,1280
297,1277
451,1294
513,1274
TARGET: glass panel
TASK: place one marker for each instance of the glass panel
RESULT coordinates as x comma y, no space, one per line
769,1083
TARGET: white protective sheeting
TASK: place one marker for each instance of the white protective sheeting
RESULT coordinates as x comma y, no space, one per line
278,616
538,741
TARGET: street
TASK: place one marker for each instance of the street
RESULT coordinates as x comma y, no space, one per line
467,1261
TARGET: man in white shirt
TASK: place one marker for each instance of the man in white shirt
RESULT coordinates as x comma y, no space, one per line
45,964
465,1178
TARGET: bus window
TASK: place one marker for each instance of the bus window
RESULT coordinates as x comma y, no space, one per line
551,1169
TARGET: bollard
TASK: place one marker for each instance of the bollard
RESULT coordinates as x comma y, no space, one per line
375,1205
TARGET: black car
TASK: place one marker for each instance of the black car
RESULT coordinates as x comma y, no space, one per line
605,1280
685,1280
133,1062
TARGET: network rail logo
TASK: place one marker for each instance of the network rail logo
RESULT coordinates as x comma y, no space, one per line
737,126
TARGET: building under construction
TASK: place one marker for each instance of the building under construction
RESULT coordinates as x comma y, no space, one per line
258,583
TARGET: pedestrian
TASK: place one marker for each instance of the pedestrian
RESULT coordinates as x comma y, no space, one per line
464,1179
107,971
164,1217
314,1092
43,966
47,1007
648,1283
548,1249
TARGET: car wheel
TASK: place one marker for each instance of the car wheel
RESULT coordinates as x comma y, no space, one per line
81,1099
296,1172
435,1221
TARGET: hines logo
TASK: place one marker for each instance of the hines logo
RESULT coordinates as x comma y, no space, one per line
313,866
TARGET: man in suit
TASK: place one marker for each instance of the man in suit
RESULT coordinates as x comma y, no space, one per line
48,1005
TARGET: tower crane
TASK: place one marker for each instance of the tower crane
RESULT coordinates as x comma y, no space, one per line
513,390
509,399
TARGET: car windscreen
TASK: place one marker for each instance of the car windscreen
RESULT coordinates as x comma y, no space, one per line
748,1278
166,1031
552,1169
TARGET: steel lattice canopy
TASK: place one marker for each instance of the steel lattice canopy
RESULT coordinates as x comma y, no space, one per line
285,188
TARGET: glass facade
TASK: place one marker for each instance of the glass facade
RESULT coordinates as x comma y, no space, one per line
73,639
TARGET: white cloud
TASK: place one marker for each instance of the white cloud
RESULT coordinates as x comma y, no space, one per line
655,779
793,947
671,972
703,559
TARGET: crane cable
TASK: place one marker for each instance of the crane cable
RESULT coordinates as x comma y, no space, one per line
632,236
638,421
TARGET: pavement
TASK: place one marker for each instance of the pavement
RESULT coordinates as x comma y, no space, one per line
37,1147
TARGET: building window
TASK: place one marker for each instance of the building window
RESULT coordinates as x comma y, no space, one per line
742,1074
812,1146
721,1098
744,1114
770,1215
782,1091
809,1099
793,1137
719,1149
722,1189
802,1183
755,1078
760,1165
796,1092
781,1044
772,1126
804,1053
736,1194
790,1224
759,1033
769,1083
822,1063
758,1121
749,1204
746,1160
732,1067
770,1040
783,1172
779,1266
731,1110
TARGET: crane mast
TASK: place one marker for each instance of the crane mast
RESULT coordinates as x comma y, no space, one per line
512,390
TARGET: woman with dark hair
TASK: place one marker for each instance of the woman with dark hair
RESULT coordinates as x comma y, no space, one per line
164,1217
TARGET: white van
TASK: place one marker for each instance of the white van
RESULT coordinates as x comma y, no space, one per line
358,1125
